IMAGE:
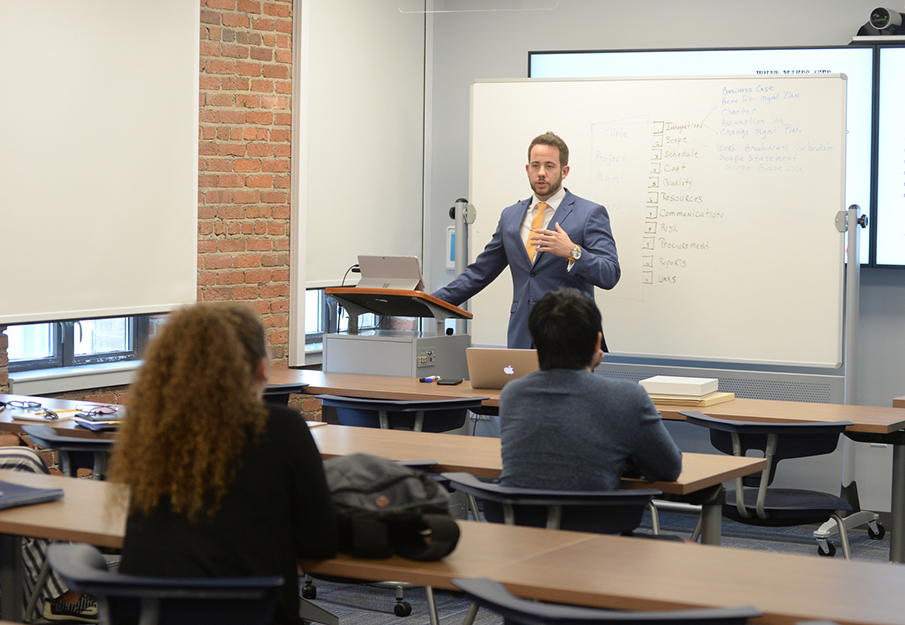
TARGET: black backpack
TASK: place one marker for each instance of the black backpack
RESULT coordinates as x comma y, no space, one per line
385,508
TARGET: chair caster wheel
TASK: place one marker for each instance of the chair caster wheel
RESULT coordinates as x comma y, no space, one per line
830,550
879,533
403,608
309,592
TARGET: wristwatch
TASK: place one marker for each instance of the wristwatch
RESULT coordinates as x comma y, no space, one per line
576,253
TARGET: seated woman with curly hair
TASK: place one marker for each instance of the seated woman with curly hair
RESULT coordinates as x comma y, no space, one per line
220,484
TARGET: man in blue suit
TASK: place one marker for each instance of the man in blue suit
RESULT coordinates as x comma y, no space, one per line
553,239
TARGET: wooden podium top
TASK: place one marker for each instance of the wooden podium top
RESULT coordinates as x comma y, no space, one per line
395,303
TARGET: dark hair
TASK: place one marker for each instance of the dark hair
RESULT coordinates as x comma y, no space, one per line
564,325
548,138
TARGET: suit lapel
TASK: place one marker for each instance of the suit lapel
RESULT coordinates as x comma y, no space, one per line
565,207
514,229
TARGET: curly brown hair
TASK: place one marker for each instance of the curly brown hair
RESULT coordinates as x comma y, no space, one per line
195,405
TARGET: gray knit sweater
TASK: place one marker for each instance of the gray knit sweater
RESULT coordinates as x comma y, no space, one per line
570,429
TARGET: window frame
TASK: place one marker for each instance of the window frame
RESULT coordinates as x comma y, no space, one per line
330,314
63,346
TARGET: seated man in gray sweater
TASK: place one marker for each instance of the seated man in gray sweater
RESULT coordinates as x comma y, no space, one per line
566,428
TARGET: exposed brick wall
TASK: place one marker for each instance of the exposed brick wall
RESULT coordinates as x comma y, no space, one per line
244,170
244,182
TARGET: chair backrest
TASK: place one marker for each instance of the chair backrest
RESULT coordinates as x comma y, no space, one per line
200,601
778,441
601,512
493,596
432,415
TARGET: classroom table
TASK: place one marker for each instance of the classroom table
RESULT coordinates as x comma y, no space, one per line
639,574
899,402
574,567
700,482
865,419
80,516
480,456
65,408
873,424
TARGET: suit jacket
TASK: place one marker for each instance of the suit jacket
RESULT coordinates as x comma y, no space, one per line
588,226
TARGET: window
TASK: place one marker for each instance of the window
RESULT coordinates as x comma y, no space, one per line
75,343
324,315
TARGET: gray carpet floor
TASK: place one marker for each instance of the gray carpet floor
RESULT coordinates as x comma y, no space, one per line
357,604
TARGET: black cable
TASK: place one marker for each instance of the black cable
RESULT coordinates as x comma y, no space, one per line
354,269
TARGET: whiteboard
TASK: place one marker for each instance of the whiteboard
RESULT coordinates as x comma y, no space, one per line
722,192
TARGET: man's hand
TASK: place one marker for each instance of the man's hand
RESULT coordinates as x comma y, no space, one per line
556,242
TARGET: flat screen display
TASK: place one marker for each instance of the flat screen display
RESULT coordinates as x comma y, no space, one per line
855,63
891,159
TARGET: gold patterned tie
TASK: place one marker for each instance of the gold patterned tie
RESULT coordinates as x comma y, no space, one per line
536,224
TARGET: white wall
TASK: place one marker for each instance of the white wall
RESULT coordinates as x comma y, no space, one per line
358,131
471,45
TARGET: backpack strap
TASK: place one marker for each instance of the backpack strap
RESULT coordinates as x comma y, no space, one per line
431,537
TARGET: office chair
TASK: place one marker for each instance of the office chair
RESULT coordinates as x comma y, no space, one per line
445,414
163,601
600,512
781,507
515,610
74,452
278,394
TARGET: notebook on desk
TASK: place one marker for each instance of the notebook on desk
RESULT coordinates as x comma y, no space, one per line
13,495
492,368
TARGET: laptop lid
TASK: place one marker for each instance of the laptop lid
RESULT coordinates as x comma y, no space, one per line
390,272
492,368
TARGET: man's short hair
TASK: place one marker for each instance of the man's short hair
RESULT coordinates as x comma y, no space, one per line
564,325
548,138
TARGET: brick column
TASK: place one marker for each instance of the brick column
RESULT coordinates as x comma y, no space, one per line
244,164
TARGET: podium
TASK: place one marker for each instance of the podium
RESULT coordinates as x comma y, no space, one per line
403,353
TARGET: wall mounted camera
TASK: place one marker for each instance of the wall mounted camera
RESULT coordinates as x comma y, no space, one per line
882,22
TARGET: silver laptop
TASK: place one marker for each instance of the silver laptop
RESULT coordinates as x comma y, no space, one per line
492,368
390,272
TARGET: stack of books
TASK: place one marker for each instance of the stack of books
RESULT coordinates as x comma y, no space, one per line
668,390
100,421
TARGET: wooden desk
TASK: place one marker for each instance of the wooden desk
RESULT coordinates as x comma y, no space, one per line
869,423
587,569
638,574
8,423
865,419
899,402
480,456
80,516
377,386
701,479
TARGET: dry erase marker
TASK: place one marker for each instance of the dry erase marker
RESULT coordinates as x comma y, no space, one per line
430,378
